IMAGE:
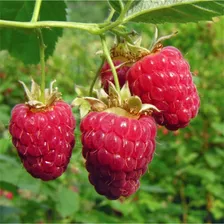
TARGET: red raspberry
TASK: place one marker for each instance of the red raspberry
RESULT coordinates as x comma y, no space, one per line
164,80
44,139
9,195
117,150
106,74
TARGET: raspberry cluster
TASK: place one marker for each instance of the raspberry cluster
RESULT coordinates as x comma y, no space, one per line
118,134
163,79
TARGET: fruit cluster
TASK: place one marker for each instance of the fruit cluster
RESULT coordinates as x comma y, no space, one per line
119,129
163,79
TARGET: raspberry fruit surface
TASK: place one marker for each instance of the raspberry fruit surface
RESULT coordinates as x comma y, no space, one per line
117,150
164,80
44,139
106,74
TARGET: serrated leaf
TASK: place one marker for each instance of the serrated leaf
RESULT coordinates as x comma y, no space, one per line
68,202
22,43
175,11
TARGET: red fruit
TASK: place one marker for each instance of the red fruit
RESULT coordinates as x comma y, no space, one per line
164,80
44,138
9,195
106,74
117,150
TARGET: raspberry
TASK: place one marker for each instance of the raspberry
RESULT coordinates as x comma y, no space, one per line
44,139
107,76
117,150
164,80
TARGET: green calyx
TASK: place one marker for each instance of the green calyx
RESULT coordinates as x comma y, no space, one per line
33,96
122,104
127,52
130,53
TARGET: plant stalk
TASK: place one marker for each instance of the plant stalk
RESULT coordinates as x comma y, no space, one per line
95,77
110,15
120,19
109,60
42,63
92,28
36,11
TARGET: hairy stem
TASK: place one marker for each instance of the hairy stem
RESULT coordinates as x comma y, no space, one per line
90,27
121,5
95,77
110,15
109,60
119,20
125,35
42,62
36,11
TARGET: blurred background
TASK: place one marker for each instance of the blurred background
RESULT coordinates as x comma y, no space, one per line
184,183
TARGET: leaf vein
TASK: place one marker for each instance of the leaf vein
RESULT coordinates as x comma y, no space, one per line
204,9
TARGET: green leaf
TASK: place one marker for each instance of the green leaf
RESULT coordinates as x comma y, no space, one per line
13,173
213,160
23,44
68,202
175,11
219,127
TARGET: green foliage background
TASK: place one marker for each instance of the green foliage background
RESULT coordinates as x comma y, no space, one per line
185,180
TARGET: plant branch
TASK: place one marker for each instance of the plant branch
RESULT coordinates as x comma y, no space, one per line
121,5
110,15
42,62
95,77
120,19
36,11
109,60
90,27
125,35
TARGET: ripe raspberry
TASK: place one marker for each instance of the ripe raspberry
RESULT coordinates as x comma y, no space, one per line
164,80
107,76
117,150
44,139
9,195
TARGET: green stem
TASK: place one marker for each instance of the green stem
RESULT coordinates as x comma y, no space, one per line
90,27
95,77
125,35
119,20
121,5
109,60
110,15
42,62
36,11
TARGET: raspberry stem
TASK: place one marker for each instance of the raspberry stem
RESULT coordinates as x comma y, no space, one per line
110,16
36,11
110,62
42,62
96,76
